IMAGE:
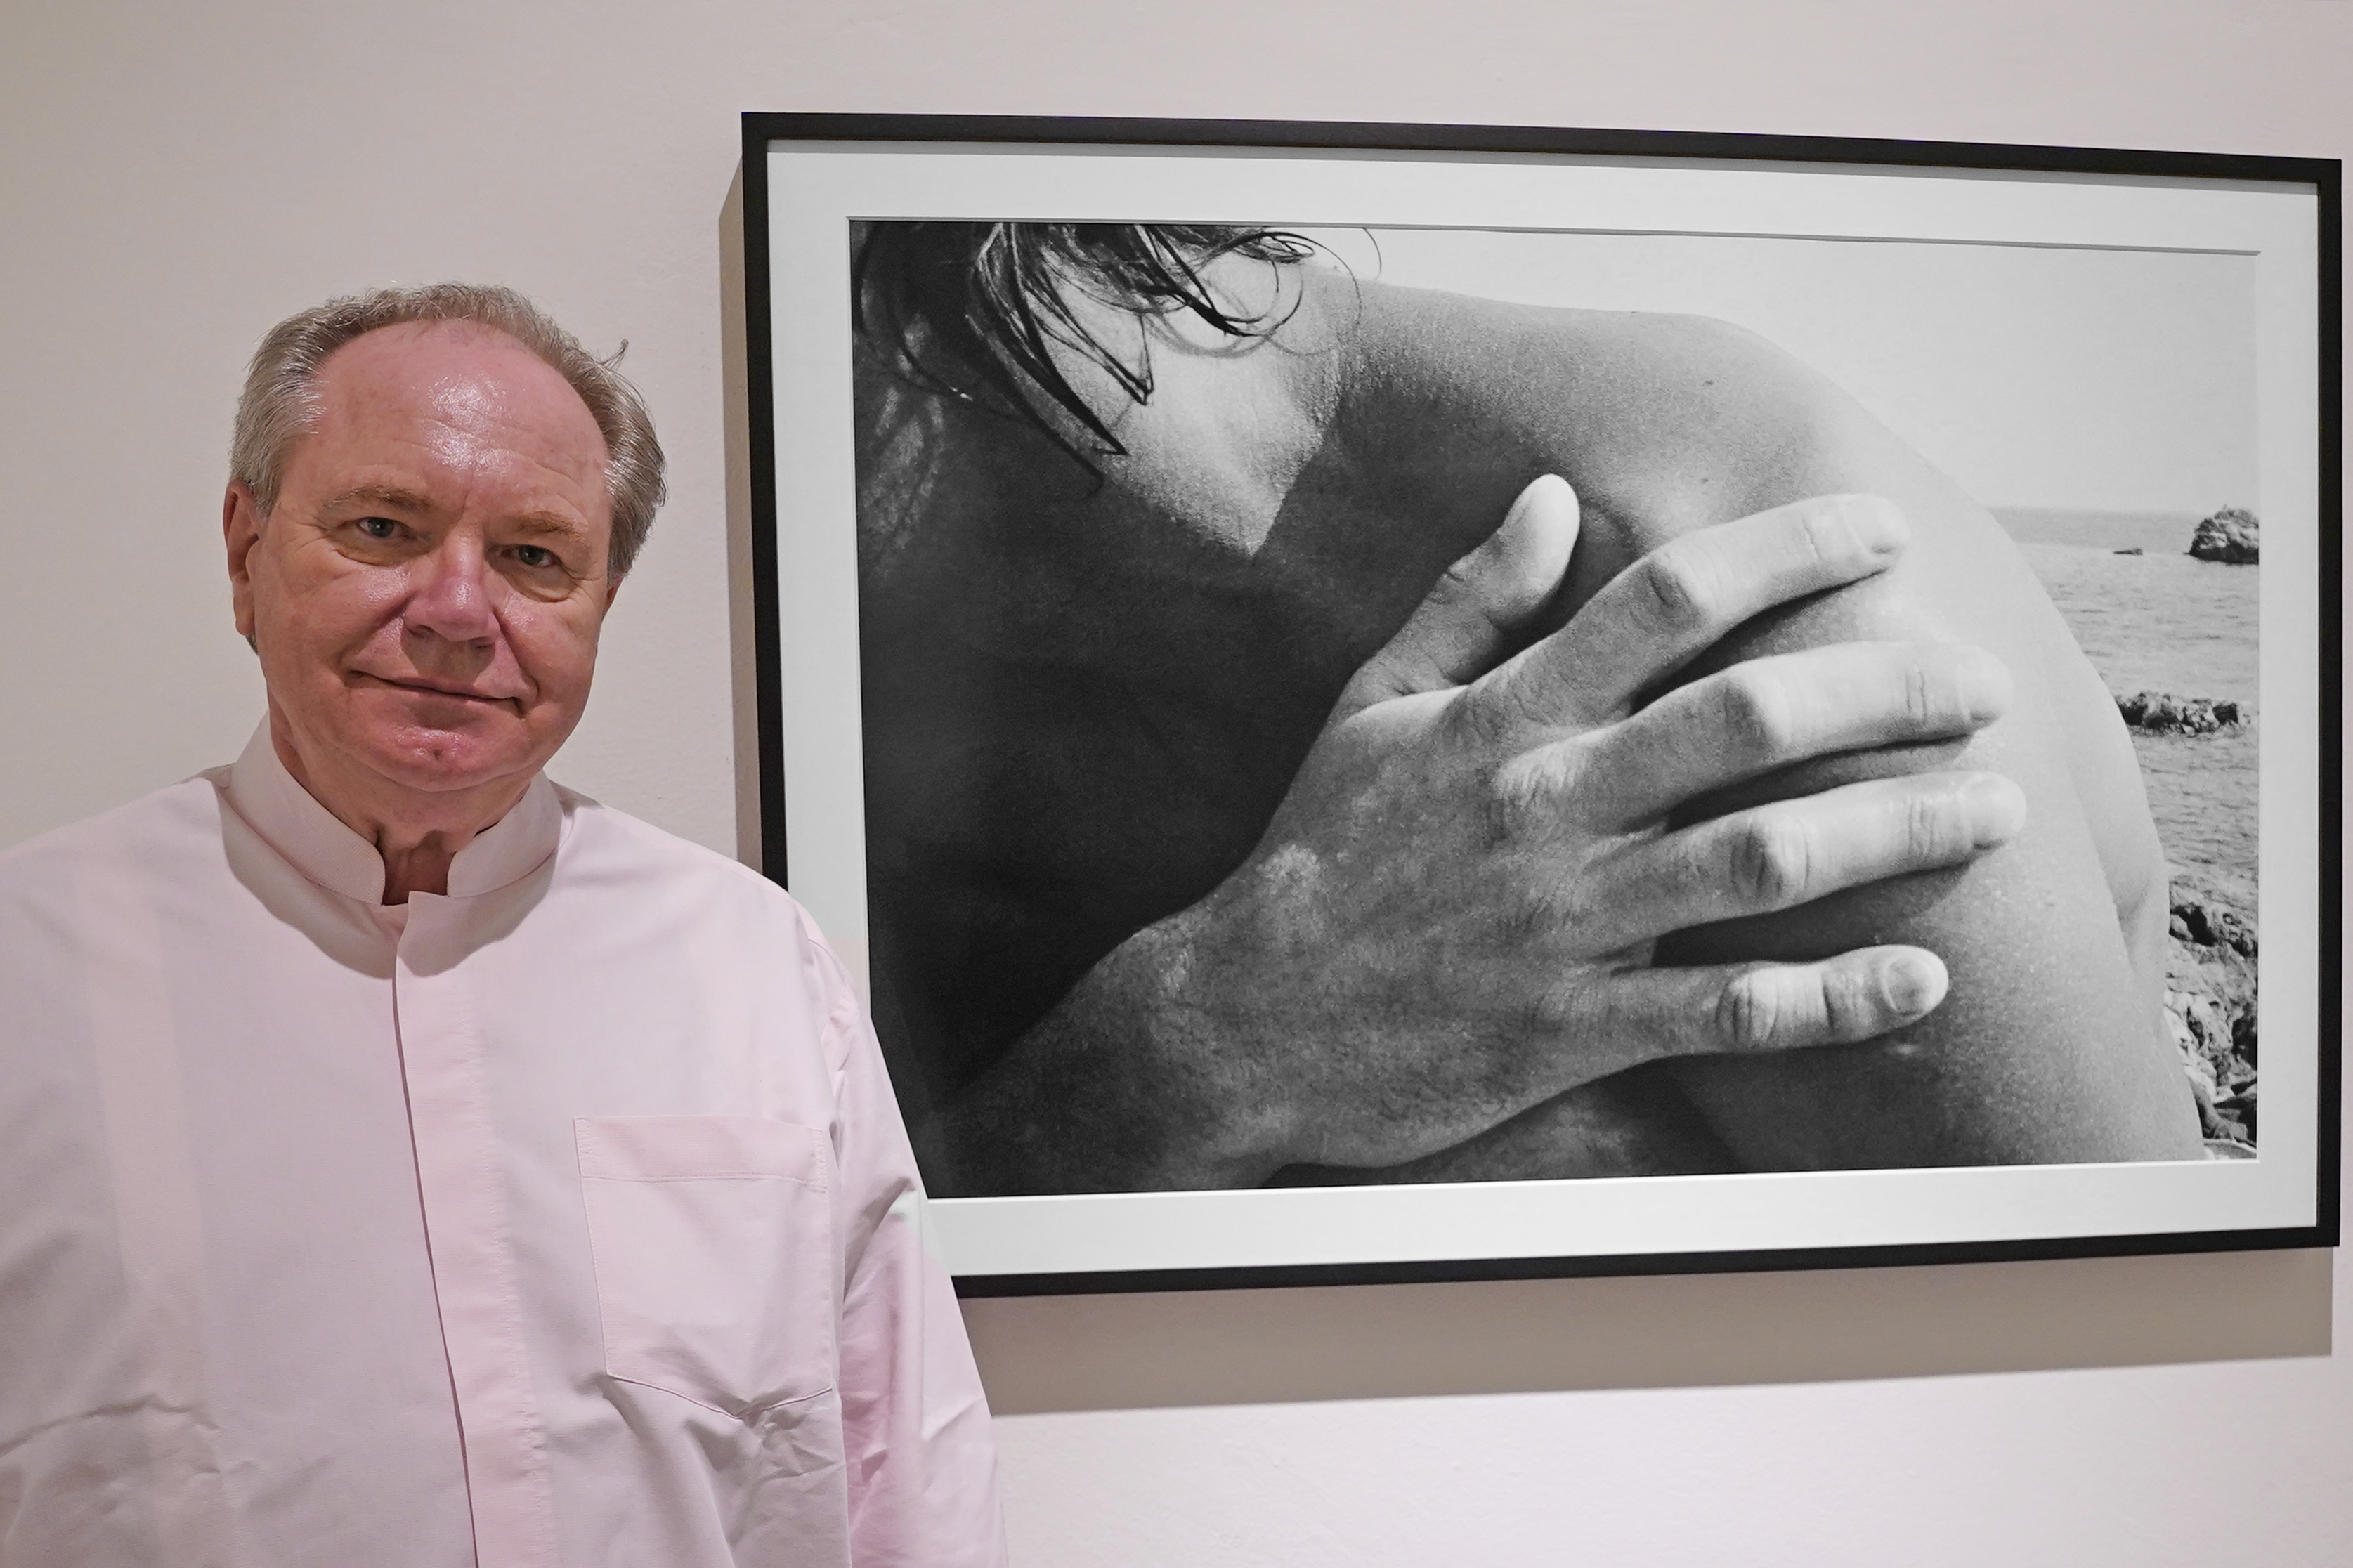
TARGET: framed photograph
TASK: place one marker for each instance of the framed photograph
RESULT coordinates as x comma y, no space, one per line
1276,856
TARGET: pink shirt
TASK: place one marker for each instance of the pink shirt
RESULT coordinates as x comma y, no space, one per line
566,1219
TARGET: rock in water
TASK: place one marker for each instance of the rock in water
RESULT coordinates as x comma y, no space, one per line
2231,536
2162,713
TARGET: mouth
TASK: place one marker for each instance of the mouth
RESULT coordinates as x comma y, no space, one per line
449,690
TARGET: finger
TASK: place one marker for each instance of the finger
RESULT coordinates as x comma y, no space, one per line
1482,604
1770,712
1686,596
1792,852
1748,1007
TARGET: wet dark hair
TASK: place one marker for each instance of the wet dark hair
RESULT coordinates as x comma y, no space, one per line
971,310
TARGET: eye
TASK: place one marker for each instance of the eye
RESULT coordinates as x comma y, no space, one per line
534,556
377,527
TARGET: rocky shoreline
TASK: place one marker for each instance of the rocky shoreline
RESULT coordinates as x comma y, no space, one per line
2210,1003
2156,630
2209,979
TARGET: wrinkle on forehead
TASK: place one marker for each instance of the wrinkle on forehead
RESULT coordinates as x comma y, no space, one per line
464,409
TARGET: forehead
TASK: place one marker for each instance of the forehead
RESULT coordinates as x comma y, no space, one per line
452,395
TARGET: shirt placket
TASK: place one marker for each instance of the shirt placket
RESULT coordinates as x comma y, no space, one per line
461,1185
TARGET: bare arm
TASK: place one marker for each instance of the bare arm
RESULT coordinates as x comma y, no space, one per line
2050,1047
1450,918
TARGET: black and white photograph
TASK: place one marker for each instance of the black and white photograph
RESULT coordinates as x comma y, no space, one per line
1713,715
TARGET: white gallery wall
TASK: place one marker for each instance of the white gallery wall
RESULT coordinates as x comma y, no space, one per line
175,177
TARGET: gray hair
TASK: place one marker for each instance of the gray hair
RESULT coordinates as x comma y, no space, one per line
281,402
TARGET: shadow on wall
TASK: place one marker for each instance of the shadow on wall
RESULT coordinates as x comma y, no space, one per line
1253,1347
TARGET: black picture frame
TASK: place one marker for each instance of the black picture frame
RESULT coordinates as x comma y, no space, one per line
774,524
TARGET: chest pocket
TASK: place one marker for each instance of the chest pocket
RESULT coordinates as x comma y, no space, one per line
713,1246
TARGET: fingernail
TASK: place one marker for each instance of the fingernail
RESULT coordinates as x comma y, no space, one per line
1985,684
1996,809
1916,983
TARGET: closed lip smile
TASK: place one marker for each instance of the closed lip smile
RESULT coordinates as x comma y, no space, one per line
437,689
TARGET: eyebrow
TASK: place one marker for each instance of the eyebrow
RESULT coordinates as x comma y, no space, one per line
547,522
381,495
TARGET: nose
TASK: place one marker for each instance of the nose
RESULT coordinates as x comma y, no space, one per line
451,592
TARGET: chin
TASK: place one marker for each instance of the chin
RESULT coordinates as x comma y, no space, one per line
429,757
432,745
445,761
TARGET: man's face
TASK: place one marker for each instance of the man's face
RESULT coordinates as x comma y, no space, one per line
426,593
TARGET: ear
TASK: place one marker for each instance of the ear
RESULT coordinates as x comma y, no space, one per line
241,530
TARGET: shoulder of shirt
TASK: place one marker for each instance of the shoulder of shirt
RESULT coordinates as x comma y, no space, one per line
597,829
160,815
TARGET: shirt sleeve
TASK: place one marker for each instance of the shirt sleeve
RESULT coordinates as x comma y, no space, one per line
916,1425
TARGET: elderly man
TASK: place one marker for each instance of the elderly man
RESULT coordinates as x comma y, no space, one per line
404,1160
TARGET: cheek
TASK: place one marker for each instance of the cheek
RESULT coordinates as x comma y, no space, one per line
325,609
558,653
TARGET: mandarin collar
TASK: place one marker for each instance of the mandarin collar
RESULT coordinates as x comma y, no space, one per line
292,822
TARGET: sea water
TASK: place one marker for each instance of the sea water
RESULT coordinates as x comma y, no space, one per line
2162,621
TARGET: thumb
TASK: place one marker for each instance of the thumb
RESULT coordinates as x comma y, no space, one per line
1474,614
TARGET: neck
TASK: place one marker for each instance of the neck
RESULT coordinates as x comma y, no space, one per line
419,833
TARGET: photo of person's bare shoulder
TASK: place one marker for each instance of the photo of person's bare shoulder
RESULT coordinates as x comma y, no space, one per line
1356,707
